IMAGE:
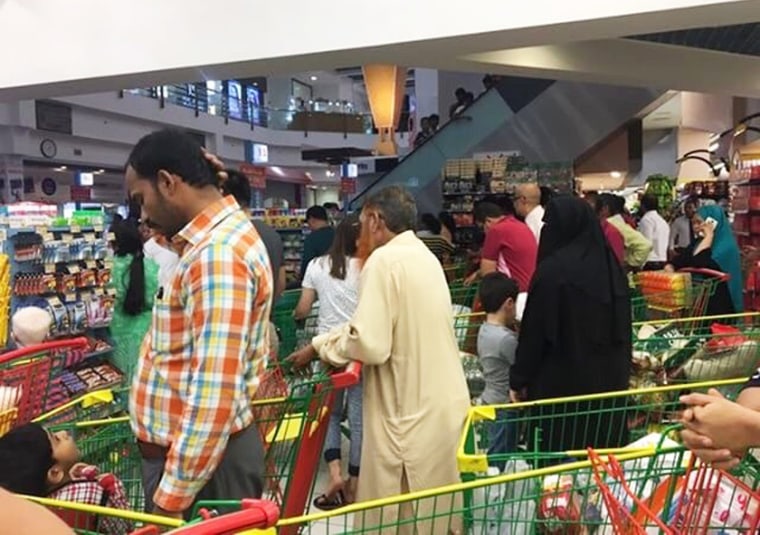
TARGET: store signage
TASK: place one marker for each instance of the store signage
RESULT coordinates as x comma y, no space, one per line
257,175
81,193
260,153
348,185
48,186
256,152
349,170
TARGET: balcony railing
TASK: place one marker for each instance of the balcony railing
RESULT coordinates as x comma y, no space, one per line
201,99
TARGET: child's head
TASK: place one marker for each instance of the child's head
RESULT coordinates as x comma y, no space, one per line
498,294
30,325
33,461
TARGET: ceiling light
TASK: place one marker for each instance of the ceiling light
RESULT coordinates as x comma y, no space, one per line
313,78
61,168
616,174
713,147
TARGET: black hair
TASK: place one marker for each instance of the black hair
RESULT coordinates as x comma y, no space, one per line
397,206
237,185
486,210
128,241
611,202
431,223
331,206
435,118
447,220
343,246
174,151
649,202
460,91
495,289
317,212
26,456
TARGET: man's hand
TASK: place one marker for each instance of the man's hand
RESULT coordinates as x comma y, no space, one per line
170,514
518,396
471,279
216,163
717,430
303,356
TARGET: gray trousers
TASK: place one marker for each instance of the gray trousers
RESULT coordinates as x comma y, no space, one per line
239,474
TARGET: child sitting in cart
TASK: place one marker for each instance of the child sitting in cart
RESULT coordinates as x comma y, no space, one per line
37,462
497,344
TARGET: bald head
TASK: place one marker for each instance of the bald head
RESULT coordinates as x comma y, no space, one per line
527,197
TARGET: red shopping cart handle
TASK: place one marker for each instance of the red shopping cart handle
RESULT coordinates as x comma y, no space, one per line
255,514
71,343
349,376
722,277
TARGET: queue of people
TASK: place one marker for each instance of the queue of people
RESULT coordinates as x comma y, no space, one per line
383,301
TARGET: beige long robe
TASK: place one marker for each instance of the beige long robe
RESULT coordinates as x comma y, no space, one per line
415,392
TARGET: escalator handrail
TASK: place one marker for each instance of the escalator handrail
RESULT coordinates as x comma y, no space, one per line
457,118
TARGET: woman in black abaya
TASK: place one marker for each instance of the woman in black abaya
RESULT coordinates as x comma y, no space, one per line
575,336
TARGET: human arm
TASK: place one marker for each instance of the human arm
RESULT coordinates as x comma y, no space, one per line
368,336
281,282
637,247
720,431
221,298
22,516
308,293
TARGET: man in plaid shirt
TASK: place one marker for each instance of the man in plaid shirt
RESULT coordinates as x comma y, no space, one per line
198,367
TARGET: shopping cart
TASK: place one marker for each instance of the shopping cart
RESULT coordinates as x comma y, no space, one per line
463,295
550,431
25,379
455,271
695,349
252,516
699,499
661,295
562,499
292,414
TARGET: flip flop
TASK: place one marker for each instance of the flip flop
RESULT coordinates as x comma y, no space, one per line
325,503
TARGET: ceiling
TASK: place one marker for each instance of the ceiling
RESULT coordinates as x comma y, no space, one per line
701,46
735,39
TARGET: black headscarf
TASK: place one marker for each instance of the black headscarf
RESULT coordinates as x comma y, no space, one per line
573,250
573,247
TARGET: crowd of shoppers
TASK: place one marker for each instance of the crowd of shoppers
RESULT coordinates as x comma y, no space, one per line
381,291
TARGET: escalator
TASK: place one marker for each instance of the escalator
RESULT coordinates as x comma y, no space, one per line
545,120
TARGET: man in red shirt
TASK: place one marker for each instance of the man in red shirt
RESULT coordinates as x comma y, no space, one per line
510,246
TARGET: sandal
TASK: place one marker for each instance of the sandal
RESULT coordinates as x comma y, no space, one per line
326,503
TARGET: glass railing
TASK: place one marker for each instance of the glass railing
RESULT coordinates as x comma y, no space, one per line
320,117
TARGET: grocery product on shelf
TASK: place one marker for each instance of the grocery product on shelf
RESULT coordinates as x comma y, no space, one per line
291,225
466,182
63,266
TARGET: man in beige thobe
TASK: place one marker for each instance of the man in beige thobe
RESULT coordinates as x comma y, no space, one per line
415,392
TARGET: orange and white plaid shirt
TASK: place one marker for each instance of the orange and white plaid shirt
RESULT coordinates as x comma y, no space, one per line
209,341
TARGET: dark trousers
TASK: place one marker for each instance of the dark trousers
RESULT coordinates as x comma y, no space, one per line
654,266
239,474
503,435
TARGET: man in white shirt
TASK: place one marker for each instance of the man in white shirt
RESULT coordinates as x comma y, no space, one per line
681,232
528,206
656,230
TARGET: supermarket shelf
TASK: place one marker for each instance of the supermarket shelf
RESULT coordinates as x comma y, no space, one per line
742,233
464,194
